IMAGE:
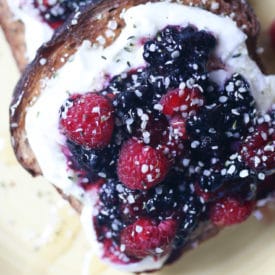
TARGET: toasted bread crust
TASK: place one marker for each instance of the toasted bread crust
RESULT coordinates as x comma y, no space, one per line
15,34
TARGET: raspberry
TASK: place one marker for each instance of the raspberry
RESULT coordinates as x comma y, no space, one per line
230,211
88,120
145,237
258,149
140,166
181,101
272,34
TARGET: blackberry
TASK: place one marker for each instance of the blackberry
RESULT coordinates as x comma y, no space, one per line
56,12
126,101
205,122
234,177
158,83
238,106
131,92
127,81
110,216
95,162
172,46
109,224
206,139
210,90
108,193
211,181
162,201
191,210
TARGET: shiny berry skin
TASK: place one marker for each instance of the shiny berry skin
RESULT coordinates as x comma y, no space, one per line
147,238
141,166
181,101
229,211
87,120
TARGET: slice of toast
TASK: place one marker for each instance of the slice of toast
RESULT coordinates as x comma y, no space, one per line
90,24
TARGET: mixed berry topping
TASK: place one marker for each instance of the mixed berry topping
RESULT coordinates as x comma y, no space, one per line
168,149
55,12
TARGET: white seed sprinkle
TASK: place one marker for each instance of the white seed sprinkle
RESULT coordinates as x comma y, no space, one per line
138,93
230,87
235,112
215,5
42,61
139,229
74,22
158,107
150,178
101,40
152,48
231,170
131,199
112,24
175,54
261,176
144,168
182,86
244,173
119,188
206,173
96,109
159,250
195,144
246,118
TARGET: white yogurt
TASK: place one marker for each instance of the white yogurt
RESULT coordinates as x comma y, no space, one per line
87,68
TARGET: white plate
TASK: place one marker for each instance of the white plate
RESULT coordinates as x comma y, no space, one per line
40,234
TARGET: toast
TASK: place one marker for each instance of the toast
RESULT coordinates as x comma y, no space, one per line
103,25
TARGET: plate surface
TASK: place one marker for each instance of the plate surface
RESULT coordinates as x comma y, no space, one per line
40,234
